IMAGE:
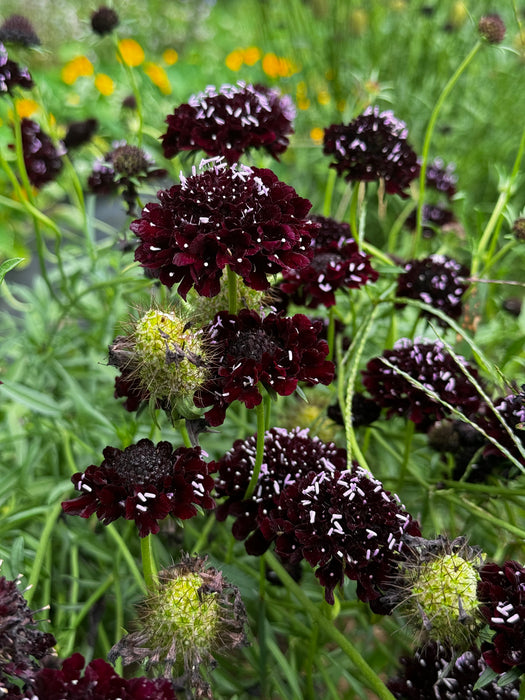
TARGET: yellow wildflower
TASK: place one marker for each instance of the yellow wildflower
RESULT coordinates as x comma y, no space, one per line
26,108
104,84
234,60
170,57
317,134
303,103
78,67
158,77
131,52
323,97
251,55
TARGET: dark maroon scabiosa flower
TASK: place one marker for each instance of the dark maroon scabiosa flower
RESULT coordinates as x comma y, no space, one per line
122,170
502,595
373,147
511,409
345,524
21,644
231,121
434,217
364,411
237,216
98,681
275,351
431,365
288,456
434,672
442,177
144,483
17,29
43,160
492,28
104,20
191,614
11,74
518,229
337,263
436,280
79,133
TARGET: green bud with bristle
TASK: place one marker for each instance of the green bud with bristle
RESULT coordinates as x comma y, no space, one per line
437,588
205,308
191,614
169,356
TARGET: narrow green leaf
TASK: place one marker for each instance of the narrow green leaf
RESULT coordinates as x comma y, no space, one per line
486,677
35,400
8,265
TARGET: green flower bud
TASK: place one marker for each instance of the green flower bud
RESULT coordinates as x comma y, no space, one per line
438,586
192,614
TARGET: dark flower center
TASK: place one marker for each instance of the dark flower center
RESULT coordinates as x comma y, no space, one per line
142,464
129,160
253,345
321,262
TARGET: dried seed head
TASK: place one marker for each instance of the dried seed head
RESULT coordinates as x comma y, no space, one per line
492,28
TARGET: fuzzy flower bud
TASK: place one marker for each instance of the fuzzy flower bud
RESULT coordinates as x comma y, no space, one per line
164,358
192,614
492,28
438,584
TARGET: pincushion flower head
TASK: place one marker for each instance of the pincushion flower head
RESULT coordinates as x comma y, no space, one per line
104,20
492,28
436,672
373,147
511,409
231,121
240,217
344,523
43,160
163,358
337,263
11,74
98,681
434,217
274,351
191,614
22,645
145,483
442,177
437,280
17,29
502,594
123,169
432,366
288,456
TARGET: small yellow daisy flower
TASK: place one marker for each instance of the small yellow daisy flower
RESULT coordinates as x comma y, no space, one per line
104,84
270,65
131,52
234,60
251,55
79,66
26,107
316,134
303,103
158,77
170,57
323,97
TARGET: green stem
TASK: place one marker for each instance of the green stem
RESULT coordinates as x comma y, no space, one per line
86,608
366,673
204,534
148,561
494,224
354,202
40,553
482,514
135,571
428,137
259,452
232,291
329,192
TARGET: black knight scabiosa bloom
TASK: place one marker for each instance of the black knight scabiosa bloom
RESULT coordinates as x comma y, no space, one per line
492,28
430,364
275,351
434,672
191,614
17,29
99,681
104,20
373,147
337,263
43,160
437,589
11,74
79,133
502,594
123,169
436,280
21,644
441,177
145,483
231,121
163,358
288,456
435,217
237,216
345,524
